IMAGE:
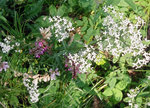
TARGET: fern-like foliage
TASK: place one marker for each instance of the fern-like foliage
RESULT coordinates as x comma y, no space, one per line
33,9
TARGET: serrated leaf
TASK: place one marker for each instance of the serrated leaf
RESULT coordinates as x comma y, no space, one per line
108,92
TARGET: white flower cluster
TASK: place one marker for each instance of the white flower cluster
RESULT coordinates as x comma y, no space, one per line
132,95
122,37
83,59
6,47
61,27
32,87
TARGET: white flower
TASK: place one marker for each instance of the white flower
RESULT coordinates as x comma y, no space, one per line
148,104
32,88
123,37
61,27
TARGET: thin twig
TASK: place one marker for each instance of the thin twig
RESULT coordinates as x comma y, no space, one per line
2,105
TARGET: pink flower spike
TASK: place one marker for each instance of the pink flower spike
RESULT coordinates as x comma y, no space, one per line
70,69
66,65
40,44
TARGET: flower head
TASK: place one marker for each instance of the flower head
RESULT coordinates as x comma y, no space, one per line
40,47
3,65
54,74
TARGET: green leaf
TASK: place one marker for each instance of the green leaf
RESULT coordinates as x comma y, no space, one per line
85,20
14,100
52,10
121,85
117,94
145,94
61,10
132,4
3,19
115,59
79,23
84,28
90,31
88,35
139,100
72,2
127,99
108,92
84,3
77,37
91,23
112,82
123,4
115,2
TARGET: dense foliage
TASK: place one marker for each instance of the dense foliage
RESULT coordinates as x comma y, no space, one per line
74,54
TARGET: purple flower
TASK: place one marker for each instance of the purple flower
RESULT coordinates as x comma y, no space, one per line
40,47
74,68
53,76
54,73
4,65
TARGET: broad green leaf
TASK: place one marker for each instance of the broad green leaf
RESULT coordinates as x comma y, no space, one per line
121,85
61,10
115,59
91,23
139,100
14,100
88,35
108,92
90,31
53,10
85,20
132,4
115,2
77,37
79,23
127,99
122,59
112,82
72,2
123,3
117,94
84,3
84,28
